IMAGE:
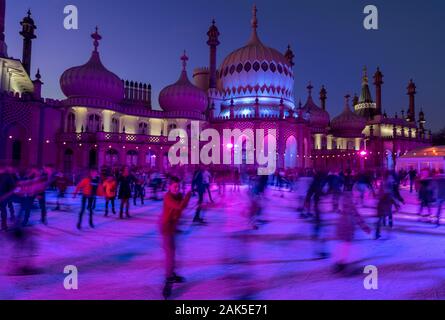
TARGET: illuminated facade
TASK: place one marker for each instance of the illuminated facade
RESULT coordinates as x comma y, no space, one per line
106,121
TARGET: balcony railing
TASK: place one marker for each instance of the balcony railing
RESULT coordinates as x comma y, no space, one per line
97,137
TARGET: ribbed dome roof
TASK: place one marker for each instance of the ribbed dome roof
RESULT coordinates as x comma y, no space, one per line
92,80
318,117
183,95
256,69
348,123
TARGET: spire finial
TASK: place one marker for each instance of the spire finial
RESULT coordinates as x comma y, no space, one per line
347,97
290,55
97,37
309,88
365,75
184,59
254,17
29,13
38,76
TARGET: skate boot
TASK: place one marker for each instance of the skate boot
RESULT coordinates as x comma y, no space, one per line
167,291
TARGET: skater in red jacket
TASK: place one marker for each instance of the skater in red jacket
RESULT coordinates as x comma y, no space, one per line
174,205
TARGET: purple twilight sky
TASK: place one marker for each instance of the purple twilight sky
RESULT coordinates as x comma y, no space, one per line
143,40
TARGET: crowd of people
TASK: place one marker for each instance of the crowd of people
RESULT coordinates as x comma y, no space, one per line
22,191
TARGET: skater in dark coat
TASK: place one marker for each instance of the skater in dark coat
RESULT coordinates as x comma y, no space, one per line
200,187
7,185
346,226
387,200
124,194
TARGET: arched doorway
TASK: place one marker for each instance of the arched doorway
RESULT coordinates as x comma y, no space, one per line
150,159
15,144
16,154
290,156
389,160
92,158
68,161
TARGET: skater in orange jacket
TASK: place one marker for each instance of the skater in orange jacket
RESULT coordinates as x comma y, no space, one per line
88,186
174,205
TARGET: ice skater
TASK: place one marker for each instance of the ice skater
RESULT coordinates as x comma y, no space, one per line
124,194
61,186
88,186
200,187
346,225
7,186
109,188
387,200
174,205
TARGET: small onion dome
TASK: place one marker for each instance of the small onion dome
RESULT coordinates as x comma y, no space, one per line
348,124
92,80
318,117
183,95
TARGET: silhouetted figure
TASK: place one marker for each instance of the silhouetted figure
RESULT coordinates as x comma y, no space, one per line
138,189
7,186
412,178
440,185
387,200
426,193
348,220
200,187
125,181
335,183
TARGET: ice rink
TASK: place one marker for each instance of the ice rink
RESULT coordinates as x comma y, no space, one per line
226,259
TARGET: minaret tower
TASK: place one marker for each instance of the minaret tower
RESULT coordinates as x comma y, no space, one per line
323,97
289,55
28,28
378,81
412,102
213,43
3,47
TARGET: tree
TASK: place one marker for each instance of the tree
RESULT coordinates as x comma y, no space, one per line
439,138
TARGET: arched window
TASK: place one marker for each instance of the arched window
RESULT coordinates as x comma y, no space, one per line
71,123
150,159
143,128
132,158
115,125
94,122
172,126
350,145
290,158
111,157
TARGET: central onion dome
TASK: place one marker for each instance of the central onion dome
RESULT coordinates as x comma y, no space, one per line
348,123
257,70
183,95
92,80
318,118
